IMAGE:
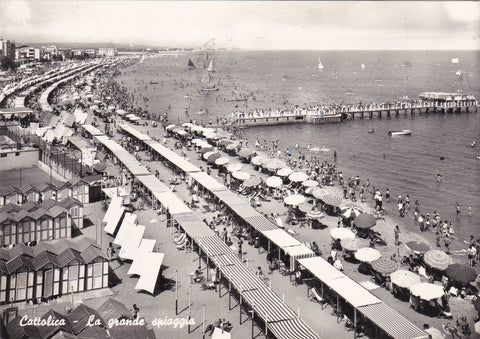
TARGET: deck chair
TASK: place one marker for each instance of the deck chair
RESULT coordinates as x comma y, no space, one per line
180,238
315,297
182,245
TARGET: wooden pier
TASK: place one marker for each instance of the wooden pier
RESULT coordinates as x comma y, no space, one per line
432,102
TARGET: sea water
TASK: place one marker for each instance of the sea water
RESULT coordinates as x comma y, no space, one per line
276,79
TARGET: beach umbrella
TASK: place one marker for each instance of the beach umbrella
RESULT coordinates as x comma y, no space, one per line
240,175
417,246
294,200
207,154
251,182
274,181
231,146
181,132
367,254
477,327
309,190
94,108
310,183
319,193
204,144
351,212
222,161
332,200
245,152
257,160
213,157
365,220
234,167
298,177
384,265
341,233
210,136
427,291
354,244
187,124
333,190
305,207
208,130
434,333
405,279
205,149
225,142
170,127
196,128
461,273
197,141
284,172
437,259
274,164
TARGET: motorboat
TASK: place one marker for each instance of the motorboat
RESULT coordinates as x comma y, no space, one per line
402,132
371,131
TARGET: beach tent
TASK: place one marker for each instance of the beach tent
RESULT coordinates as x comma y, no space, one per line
150,269
114,214
146,246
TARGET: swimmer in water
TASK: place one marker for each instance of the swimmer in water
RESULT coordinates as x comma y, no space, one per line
473,143
439,177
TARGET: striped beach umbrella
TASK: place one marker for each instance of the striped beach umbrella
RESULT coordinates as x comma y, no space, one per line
234,167
240,175
367,254
170,127
365,221
294,200
384,265
222,161
427,291
405,279
437,259
274,181
332,200
351,212
207,154
353,244
341,233
305,207
417,246
284,172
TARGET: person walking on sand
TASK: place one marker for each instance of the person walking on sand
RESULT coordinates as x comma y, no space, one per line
447,243
397,235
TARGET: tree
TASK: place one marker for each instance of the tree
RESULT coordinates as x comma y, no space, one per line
7,63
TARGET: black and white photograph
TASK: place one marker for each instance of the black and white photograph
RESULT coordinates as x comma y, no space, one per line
239,169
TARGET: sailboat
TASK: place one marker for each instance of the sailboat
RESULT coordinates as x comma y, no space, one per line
191,65
455,60
207,80
320,66
210,67
363,66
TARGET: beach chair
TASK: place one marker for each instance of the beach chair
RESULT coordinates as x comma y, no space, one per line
180,239
316,297
183,245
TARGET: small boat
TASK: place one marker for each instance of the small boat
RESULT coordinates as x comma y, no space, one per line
363,66
320,66
402,132
319,149
207,79
153,82
191,65
455,60
371,131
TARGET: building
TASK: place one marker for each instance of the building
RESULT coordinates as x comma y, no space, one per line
66,53
27,53
107,52
91,52
7,49
51,269
48,52
14,156
34,222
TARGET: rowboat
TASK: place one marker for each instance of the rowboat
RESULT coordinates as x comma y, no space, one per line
402,132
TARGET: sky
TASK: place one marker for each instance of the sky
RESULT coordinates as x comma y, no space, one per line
296,25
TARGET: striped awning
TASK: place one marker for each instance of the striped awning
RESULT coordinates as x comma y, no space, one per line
299,252
281,238
291,329
137,134
192,225
261,223
244,211
224,260
392,322
213,245
268,305
207,181
230,199
242,277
